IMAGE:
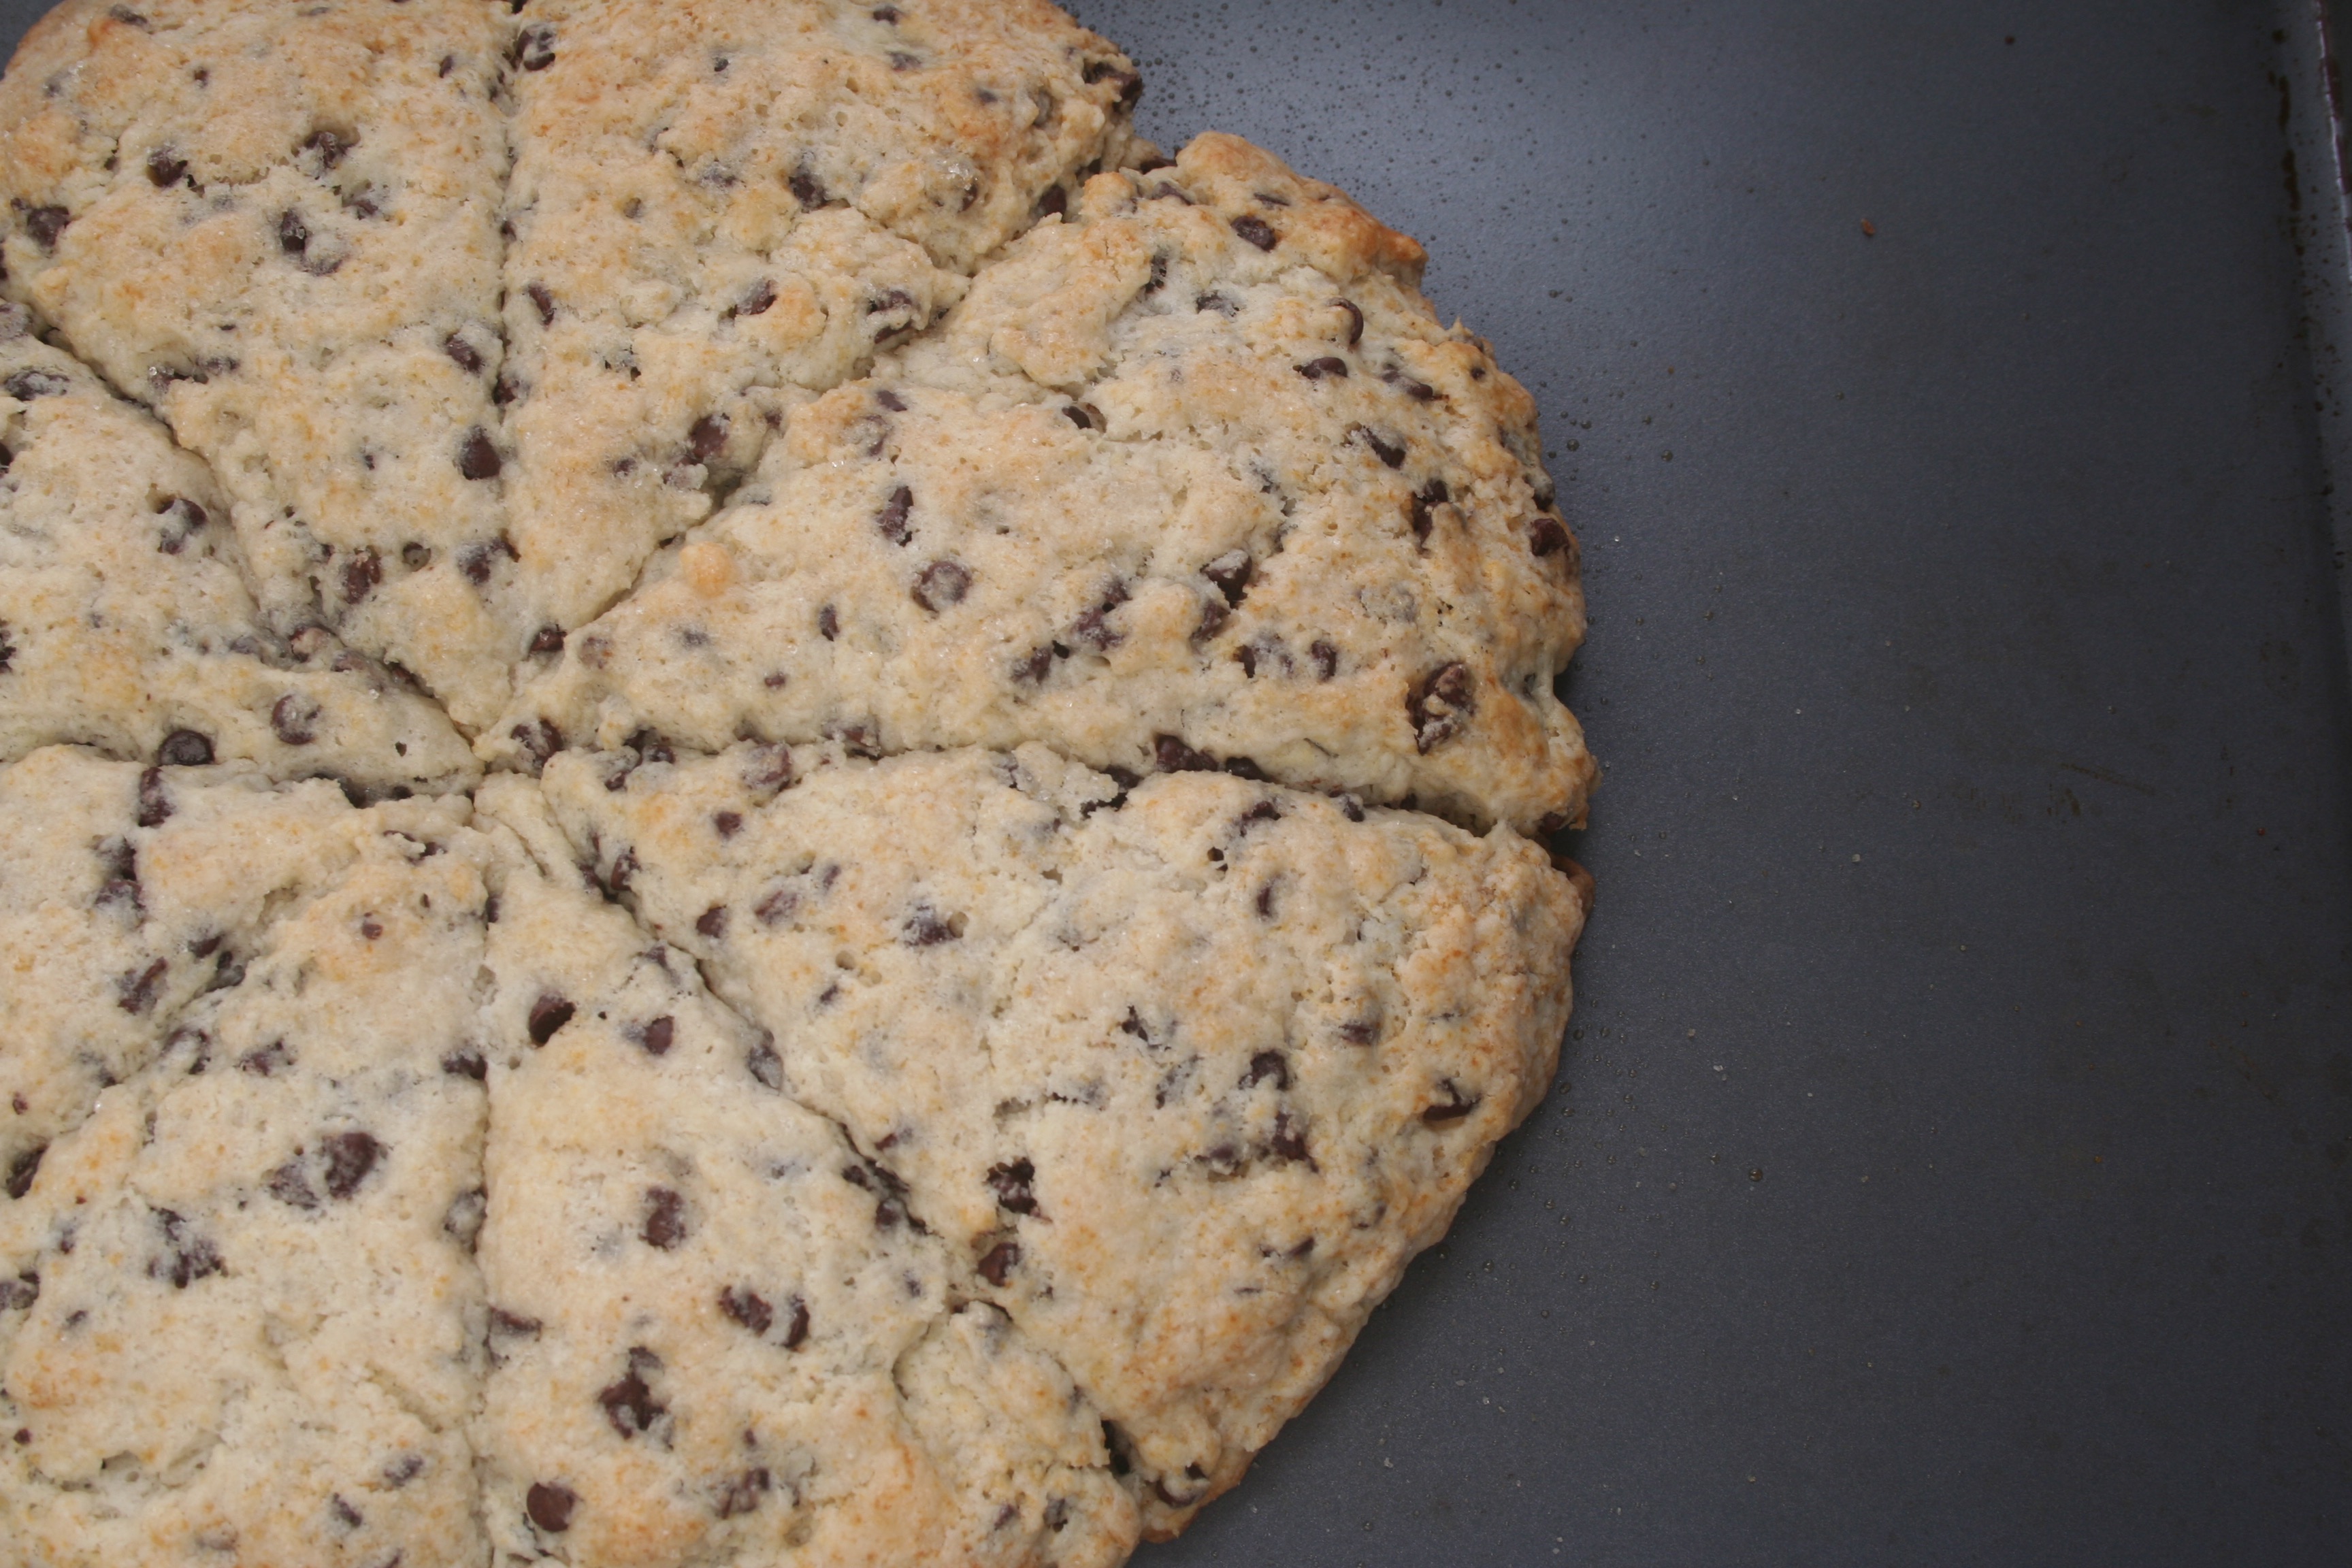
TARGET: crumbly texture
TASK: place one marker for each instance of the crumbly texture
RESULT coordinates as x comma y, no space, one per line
1182,1076
761,803
1194,478
125,618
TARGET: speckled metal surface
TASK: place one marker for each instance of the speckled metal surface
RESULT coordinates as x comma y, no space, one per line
1953,1156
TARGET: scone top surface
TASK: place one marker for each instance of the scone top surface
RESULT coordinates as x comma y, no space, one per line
764,801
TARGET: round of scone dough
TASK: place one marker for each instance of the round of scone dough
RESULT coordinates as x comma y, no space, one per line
761,803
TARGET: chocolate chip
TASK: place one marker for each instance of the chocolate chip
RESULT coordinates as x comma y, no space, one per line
665,1225
1452,1108
550,1506
1391,454
1012,1183
806,190
21,1292
135,991
188,1258
886,15
349,1157
549,1014
655,1036
900,60
1355,320
513,1325
1231,572
1054,202
1326,657
534,47
743,1494
943,583
1266,902
926,927
828,624
756,300
290,1185
747,1307
1290,1139
295,719
465,1062
468,359
1360,1031
1077,417
154,805
629,1404
544,301
1183,1497
712,921
1173,756
330,145
858,737
708,438
28,384
1440,707
345,1514
1547,536
185,749
540,741
463,1219
403,1470
1267,1065
45,224
1328,366
1257,230
264,1062
477,456
23,1168
293,233
765,1065
892,519
547,639
165,167
767,769
1222,304
796,1332
997,1264
362,573
1214,617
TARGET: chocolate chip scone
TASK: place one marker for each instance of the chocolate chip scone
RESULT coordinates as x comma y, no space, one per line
760,802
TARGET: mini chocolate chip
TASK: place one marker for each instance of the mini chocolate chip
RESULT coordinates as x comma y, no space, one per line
135,993
1326,657
1257,230
1453,1108
1290,1140
1266,902
293,233
806,190
290,1185
1392,456
1159,277
756,300
295,719
1547,536
1355,320
329,145
655,1036
478,457
926,927
264,1062
1440,707
708,438
513,1325
465,1062
550,1506
665,1225
165,167
154,805
534,47
892,519
943,583
21,1292
742,1493
23,1169
403,1470
828,624
997,1264
549,1014
540,741
728,822
1360,1031
45,224
362,573
468,359
629,1404
1328,366
547,639
747,1307
349,1157
1222,304
1033,666
712,921
1214,617
765,1065
345,1514
796,1332
185,749
1173,756
190,1258
1012,1183
1231,572
544,301
1267,1065
28,384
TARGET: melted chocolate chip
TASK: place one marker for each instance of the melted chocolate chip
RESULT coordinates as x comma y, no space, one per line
1257,230
655,1036
1265,902
294,718
264,1062
943,583
806,190
551,1506
1290,1139
1452,1108
330,145
1440,707
1012,1183
996,1265
828,624
1034,666
547,639
154,805
1360,1031
513,1325
290,1185
756,300
1054,202
1355,320
185,749
544,301
403,1470
1393,455
892,519
1222,304
665,1225
1214,617
188,1258
1267,1065
549,1014
21,1292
